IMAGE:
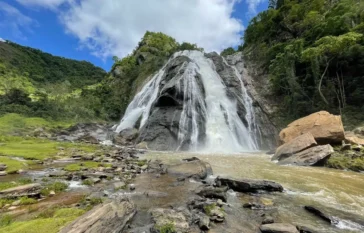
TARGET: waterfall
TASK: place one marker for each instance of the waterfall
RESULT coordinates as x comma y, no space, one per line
222,129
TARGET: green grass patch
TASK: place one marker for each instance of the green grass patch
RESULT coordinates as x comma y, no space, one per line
166,228
88,182
56,187
208,208
37,148
79,166
14,123
13,165
142,162
51,224
27,201
341,161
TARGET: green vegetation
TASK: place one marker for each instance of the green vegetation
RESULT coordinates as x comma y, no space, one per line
340,160
208,208
7,185
142,162
49,224
313,51
79,166
88,182
167,228
57,187
228,51
13,165
6,220
27,201
13,123
37,148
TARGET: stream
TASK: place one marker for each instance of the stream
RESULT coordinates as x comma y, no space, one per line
338,193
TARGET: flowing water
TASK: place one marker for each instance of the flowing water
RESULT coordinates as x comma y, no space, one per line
337,193
224,128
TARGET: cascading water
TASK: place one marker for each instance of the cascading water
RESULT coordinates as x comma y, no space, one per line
223,129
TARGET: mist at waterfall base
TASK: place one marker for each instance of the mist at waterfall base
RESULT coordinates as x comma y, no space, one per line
225,131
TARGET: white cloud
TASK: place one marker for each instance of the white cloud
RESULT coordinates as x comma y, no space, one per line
52,4
114,27
2,40
253,4
15,20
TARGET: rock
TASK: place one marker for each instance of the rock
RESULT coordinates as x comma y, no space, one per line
268,220
309,157
144,167
325,128
3,167
278,228
104,218
353,139
142,146
119,185
359,131
57,174
249,185
212,192
294,146
101,175
16,203
196,169
303,229
3,173
52,193
204,222
254,206
29,190
345,147
89,139
321,214
132,187
216,214
162,217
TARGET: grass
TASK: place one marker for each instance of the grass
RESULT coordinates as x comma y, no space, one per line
7,185
27,201
79,166
14,123
13,165
57,187
50,224
167,228
38,149
142,162
208,208
88,182
345,162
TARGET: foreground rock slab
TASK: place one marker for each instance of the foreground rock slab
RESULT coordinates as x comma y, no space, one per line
325,128
312,156
320,214
294,146
249,185
278,228
104,218
29,190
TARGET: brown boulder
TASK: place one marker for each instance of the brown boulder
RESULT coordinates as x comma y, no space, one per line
294,146
196,169
353,139
324,127
104,218
309,157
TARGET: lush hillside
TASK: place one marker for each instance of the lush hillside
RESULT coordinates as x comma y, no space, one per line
313,51
34,83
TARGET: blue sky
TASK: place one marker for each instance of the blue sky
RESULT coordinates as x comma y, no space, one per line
86,30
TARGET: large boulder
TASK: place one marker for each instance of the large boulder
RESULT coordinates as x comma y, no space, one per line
196,169
164,217
104,218
249,185
28,190
278,228
294,146
309,157
325,128
352,138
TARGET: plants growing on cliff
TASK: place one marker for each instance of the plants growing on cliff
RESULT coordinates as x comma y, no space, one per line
313,51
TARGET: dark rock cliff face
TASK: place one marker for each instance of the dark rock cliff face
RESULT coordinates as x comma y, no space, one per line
161,131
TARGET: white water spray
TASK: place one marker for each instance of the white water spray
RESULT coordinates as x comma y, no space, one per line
224,130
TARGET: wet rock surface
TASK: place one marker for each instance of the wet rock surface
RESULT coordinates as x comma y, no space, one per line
312,156
104,218
249,185
278,228
28,190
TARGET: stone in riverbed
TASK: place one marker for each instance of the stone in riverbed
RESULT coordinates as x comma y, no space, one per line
104,218
321,214
195,169
29,190
294,146
204,222
58,174
3,173
325,128
249,185
162,217
212,192
278,228
3,167
312,156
